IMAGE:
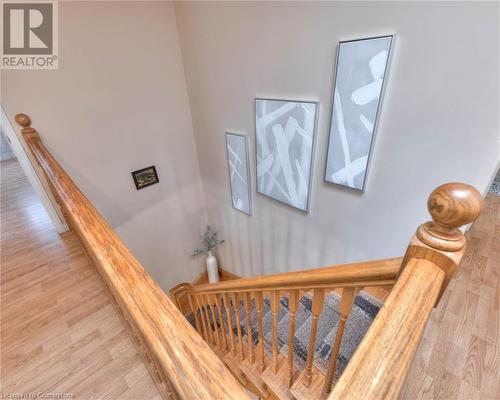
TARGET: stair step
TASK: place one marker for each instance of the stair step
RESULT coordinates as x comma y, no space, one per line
233,362
314,391
277,383
253,373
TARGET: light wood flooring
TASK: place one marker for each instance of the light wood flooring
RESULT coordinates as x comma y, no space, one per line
459,356
59,332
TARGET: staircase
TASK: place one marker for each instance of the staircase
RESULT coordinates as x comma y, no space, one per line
291,336
282,336
231,327
286,342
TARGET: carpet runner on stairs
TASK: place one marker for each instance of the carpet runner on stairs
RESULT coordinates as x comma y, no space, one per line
364,310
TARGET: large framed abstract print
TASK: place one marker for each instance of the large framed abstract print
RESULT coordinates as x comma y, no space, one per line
285,133
359,80
239,171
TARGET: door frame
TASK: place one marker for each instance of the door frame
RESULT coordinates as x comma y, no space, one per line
47,201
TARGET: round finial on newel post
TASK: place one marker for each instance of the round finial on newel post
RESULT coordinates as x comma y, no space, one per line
23,120
451,206
28,132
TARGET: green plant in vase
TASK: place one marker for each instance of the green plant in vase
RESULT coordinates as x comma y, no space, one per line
210,242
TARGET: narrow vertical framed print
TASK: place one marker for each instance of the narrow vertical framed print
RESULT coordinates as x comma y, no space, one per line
361,73
285,135
239,171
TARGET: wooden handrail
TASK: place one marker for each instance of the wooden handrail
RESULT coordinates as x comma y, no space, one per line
380,364
180,362
184,366
371,273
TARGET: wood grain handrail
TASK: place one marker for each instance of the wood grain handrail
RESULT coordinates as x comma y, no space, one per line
180,361
184,365
381,362
371,273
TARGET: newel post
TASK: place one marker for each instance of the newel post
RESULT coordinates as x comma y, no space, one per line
451,206
27,131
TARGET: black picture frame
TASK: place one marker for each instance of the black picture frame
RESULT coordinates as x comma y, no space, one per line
145,177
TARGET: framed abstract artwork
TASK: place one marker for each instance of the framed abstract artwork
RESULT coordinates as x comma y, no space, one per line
285,133
359,80
239,171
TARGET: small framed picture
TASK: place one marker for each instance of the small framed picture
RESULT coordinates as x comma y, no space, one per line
145,177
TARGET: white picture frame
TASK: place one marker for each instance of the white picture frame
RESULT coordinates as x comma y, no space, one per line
285,141
239,171
360,78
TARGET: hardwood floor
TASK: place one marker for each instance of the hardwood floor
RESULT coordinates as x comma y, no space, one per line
459,355
59,332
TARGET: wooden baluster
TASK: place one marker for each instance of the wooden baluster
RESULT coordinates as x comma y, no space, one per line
195,314
214,320
205,333
222,328
227,305
348,295
317,307
207,320
260,327
293,303
275,301
248,306
236,305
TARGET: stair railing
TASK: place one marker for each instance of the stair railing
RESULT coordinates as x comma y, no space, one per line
184,366
181,363
379,366
231,297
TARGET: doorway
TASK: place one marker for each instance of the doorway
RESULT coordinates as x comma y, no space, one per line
13,157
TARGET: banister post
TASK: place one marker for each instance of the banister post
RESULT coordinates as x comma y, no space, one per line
451,206
378,368
27,131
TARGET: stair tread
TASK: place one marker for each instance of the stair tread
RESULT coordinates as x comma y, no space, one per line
231,361
234,364
277,382
253,371
314,391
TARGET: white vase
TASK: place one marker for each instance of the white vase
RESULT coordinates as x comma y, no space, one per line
213,272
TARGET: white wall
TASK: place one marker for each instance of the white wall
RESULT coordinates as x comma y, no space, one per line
117,103
439,120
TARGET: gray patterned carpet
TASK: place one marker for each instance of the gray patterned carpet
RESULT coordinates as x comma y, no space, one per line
364,311
495,186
